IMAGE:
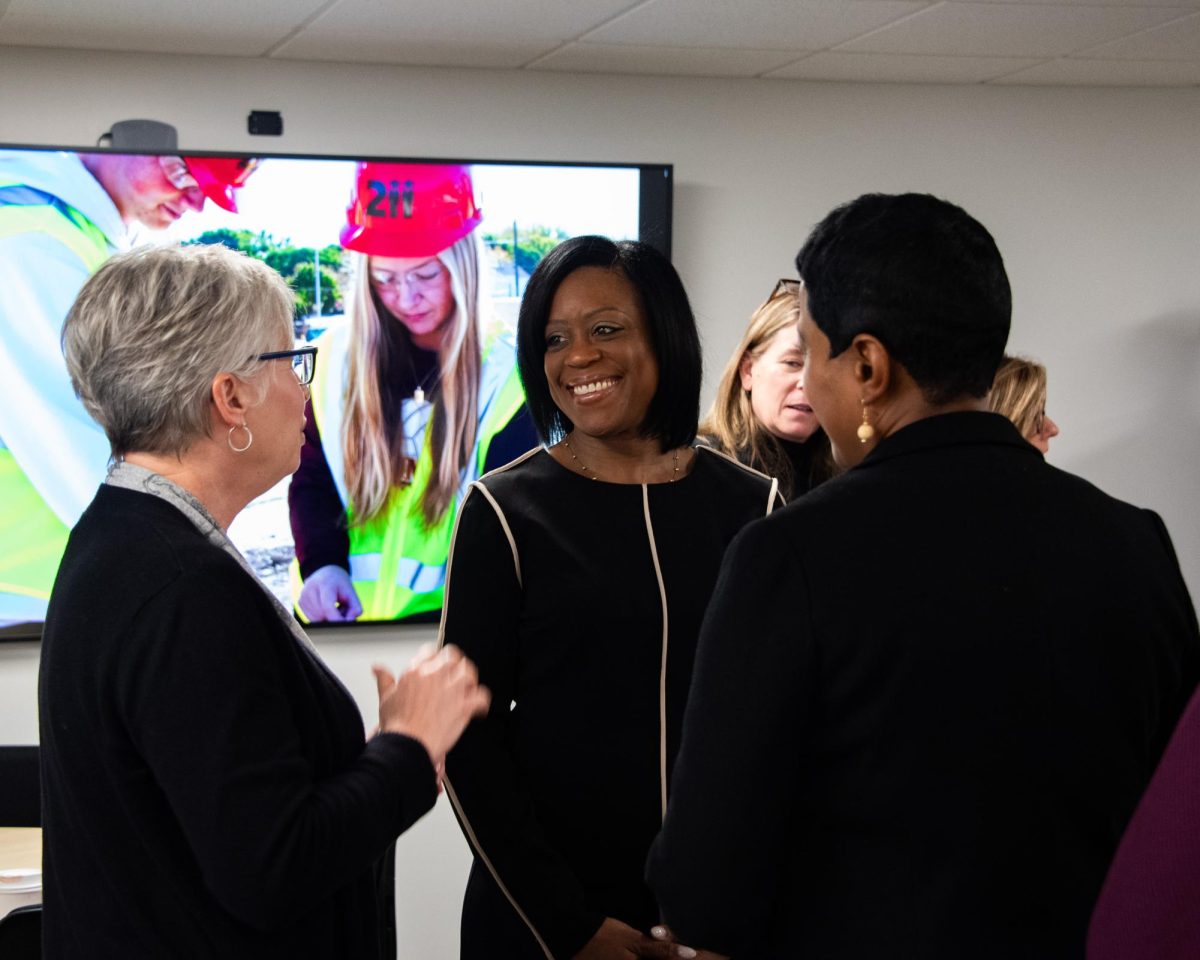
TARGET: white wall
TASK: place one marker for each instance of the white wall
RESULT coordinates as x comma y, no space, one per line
1091,194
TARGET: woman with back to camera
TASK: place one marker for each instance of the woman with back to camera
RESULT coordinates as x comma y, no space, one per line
579,575
416,396
761,414
1019,393
965,662
207,787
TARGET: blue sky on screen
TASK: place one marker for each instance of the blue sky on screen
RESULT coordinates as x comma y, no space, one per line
305,201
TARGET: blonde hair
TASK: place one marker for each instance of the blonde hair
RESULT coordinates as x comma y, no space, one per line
730,424
375,462
1019,392
152,327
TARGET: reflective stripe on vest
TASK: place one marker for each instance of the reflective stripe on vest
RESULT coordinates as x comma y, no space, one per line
25,209
397,565
410,574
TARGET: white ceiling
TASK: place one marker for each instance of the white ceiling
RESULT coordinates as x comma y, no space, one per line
1082,42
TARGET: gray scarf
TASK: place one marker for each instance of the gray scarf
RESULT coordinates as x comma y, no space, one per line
141,480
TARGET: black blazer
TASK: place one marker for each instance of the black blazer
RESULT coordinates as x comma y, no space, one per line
206,789
927,697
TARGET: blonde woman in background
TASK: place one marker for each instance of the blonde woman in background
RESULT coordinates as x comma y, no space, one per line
761,414
1019,393
416,398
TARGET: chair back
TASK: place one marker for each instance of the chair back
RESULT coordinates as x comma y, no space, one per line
21,933
21,793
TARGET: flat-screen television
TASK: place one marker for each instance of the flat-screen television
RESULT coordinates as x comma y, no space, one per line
414,250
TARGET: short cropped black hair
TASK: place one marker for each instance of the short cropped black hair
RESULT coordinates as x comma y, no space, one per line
923,276
671,328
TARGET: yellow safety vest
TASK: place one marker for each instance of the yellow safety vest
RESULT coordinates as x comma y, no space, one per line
397,564
32,537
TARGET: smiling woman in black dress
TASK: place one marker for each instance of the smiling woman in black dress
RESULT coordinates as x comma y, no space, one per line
579,575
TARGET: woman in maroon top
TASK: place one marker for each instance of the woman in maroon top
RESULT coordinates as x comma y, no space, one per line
1149,908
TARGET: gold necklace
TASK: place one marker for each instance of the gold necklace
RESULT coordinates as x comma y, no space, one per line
589,472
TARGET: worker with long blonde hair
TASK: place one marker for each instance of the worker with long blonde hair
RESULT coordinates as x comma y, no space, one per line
417,396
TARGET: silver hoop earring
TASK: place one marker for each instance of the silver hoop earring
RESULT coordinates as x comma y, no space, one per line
249,438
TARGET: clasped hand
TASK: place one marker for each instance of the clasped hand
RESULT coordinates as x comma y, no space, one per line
619,941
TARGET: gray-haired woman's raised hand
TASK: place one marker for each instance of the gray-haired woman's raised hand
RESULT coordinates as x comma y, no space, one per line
433,700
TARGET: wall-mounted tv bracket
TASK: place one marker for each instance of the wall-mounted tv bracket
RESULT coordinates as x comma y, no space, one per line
140,135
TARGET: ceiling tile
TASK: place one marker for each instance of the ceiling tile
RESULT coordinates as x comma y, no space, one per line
424,53
1010,29
1179,40
409,23
662,61
1146,42
218,27
1108,73
900,68
1095,3
761,25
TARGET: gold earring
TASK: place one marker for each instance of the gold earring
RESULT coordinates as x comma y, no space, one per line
865,430
249,437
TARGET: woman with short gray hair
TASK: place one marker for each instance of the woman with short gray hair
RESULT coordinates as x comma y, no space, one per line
207,786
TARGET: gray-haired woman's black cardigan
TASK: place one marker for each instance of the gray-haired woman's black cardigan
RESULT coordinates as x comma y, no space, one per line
206,787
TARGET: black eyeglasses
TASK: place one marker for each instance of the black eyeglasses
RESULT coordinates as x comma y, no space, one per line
785,286
304,361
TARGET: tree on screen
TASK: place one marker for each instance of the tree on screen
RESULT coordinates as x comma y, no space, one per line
302,281
294,264
532,243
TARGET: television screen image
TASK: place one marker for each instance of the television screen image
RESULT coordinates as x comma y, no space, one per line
407,278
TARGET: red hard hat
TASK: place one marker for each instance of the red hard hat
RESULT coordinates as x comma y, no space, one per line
219,177
409,209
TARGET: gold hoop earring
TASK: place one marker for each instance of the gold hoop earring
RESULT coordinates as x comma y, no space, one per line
865,430
249,438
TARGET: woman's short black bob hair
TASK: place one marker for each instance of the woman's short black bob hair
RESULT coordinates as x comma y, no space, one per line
675,408
923,276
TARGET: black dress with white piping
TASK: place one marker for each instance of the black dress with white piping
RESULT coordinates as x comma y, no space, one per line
580,601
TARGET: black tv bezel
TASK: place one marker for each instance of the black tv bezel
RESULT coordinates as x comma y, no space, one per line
656,190
656,181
